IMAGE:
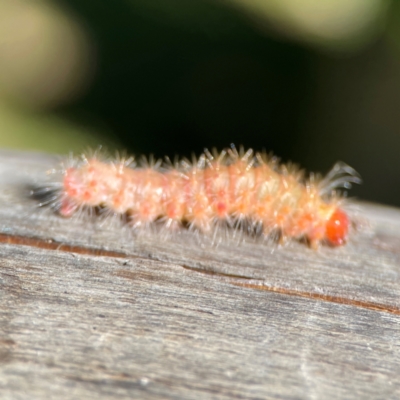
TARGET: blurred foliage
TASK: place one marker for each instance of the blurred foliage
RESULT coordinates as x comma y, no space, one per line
314,81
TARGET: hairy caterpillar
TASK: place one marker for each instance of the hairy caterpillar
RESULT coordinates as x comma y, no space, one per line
239,188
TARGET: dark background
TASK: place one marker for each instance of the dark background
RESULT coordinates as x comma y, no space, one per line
174,77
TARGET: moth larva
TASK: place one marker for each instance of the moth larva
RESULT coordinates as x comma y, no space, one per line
239,188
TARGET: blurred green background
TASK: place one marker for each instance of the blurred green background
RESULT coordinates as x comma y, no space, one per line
313,81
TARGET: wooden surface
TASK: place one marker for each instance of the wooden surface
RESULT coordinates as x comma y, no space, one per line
90,312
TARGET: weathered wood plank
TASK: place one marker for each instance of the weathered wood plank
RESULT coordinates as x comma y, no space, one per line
173,319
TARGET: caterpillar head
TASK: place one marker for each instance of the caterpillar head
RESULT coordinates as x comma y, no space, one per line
337,228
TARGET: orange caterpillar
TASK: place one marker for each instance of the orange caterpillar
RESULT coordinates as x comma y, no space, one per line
236,187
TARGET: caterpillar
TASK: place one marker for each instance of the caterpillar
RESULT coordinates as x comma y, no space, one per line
236,187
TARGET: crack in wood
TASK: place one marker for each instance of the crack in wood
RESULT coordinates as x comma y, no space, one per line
233,279
230,278
323,297
53,245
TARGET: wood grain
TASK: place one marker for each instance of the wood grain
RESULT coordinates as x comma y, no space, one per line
88,311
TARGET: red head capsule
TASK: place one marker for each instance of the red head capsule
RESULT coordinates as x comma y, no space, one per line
337,228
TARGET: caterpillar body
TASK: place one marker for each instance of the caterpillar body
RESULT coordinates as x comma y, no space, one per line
239,188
